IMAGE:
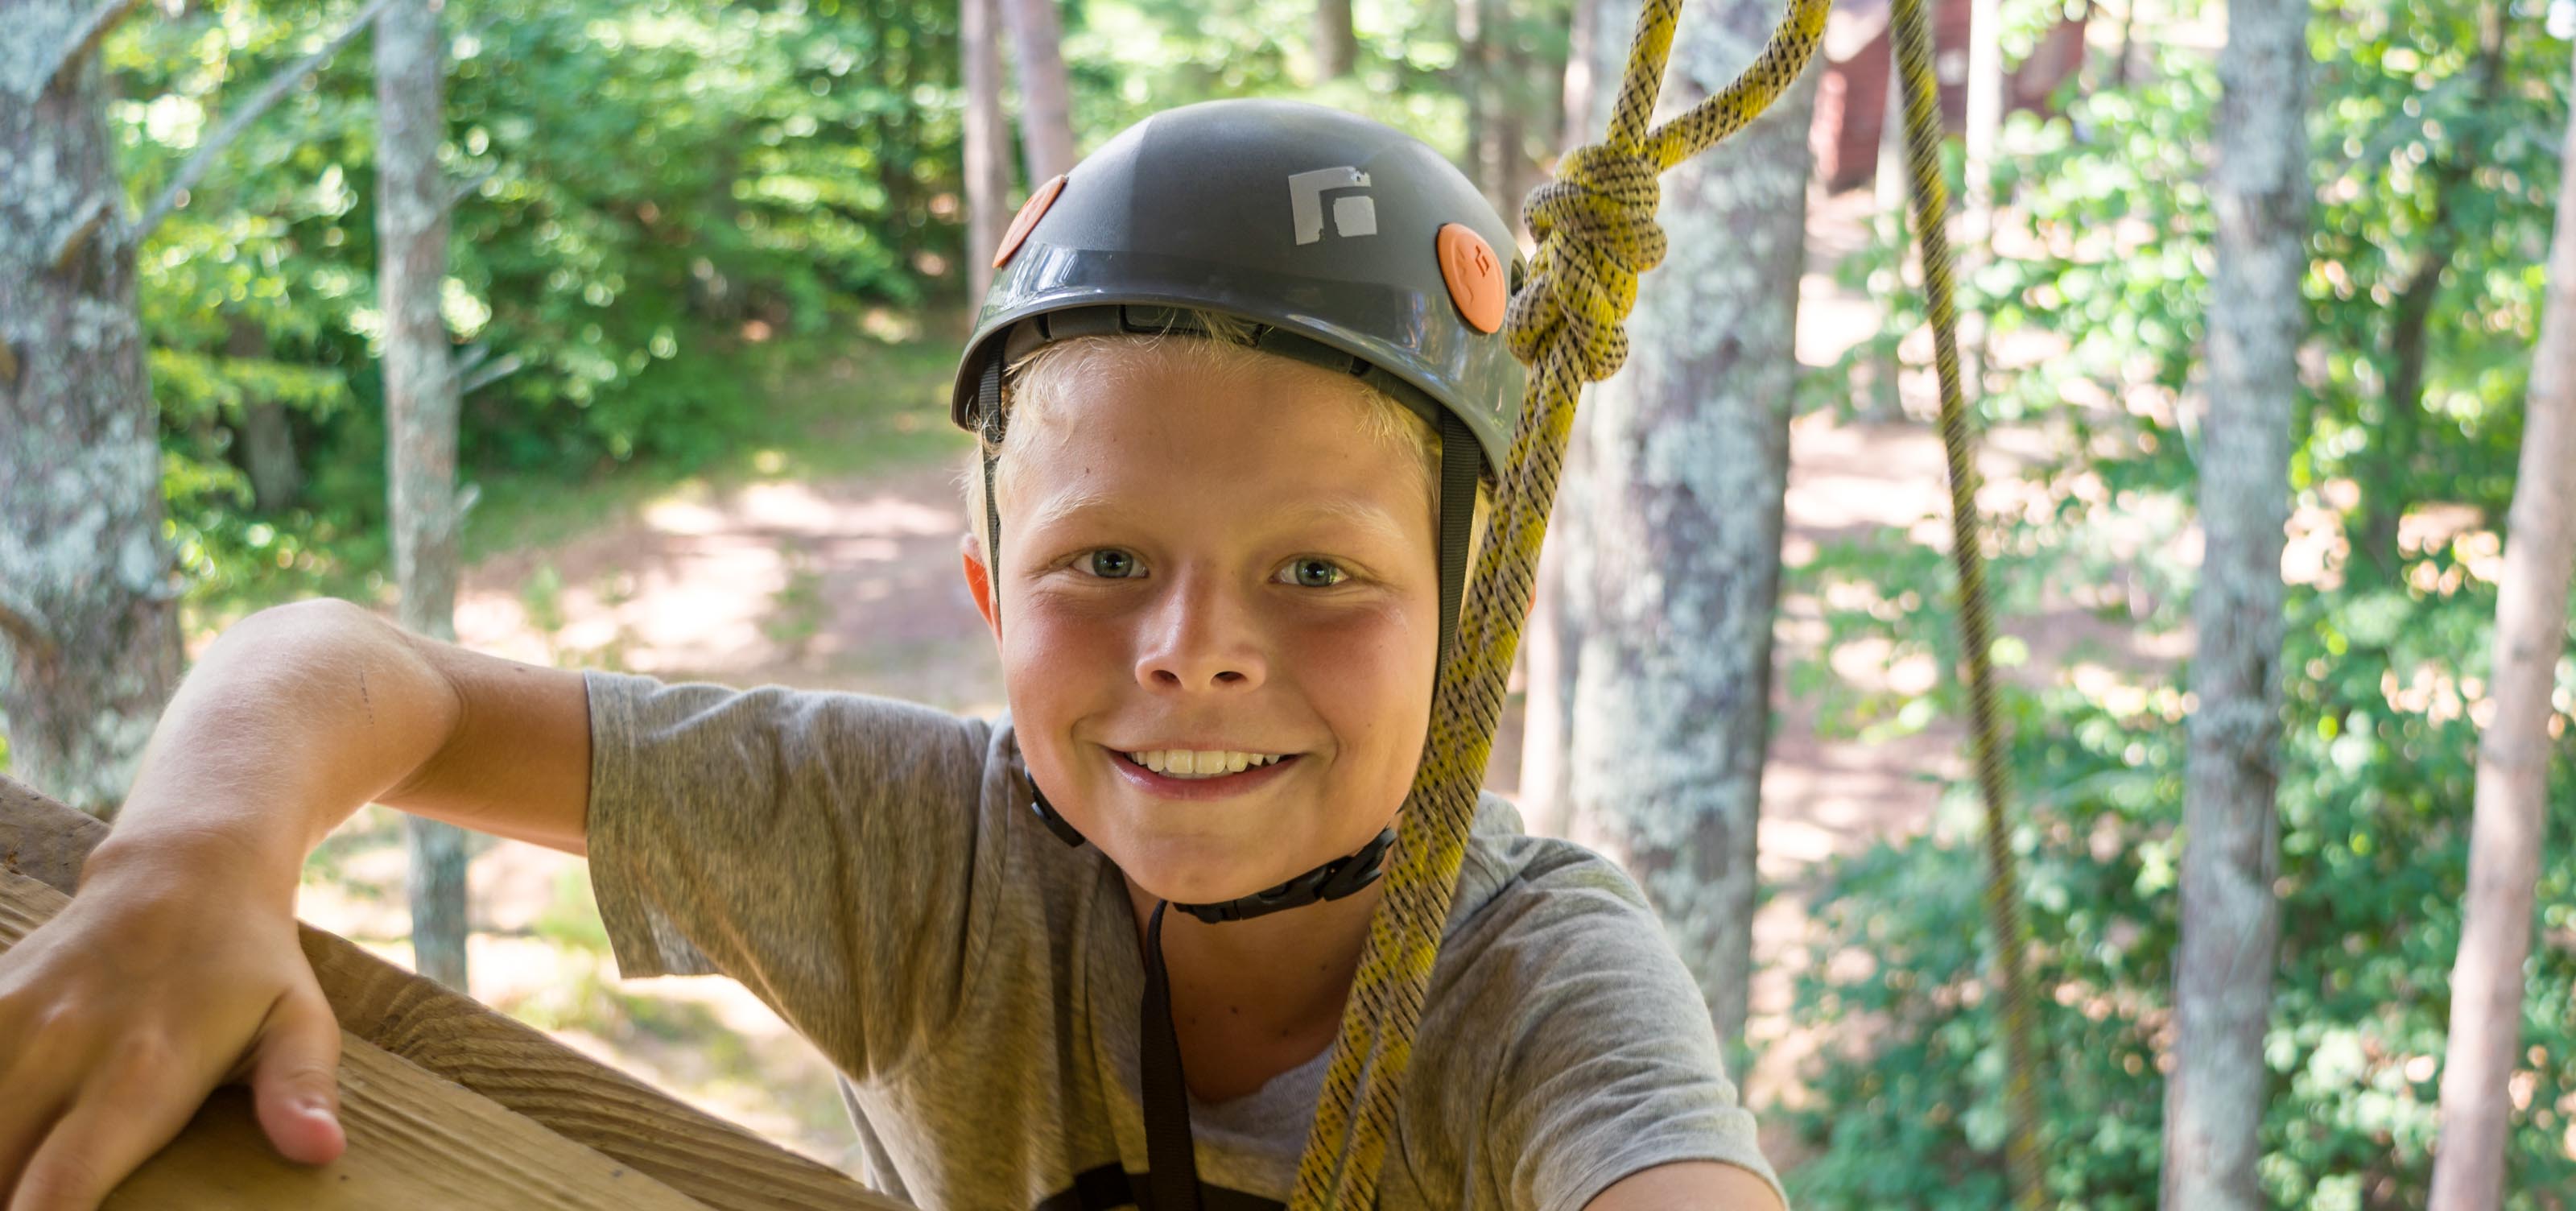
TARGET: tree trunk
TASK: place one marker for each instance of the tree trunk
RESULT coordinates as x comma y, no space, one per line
2506,833
1337,46
1580,78
1547,647
1547,652
420,415
267,440
1984,129
1046,100
1675,572
1485,68
89,621
988,138
2387,464
2230,922
1886,399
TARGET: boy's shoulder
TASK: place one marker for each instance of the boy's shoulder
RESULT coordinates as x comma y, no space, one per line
1513,881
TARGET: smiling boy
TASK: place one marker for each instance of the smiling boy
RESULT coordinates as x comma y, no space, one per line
1234,385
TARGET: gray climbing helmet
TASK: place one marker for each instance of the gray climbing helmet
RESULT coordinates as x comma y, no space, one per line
1347,243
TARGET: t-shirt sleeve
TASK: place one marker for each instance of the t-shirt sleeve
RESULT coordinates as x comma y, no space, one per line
1612,1065
825,849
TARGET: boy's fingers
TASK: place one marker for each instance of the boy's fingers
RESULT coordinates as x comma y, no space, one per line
25,1114
37,1079
115,1125
296,1081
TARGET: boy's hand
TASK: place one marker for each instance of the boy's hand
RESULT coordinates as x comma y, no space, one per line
119,1016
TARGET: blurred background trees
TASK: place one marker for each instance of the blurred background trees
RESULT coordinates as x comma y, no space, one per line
703,245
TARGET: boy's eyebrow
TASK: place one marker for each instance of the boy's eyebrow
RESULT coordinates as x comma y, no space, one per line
1064,505
1353,513
1350,512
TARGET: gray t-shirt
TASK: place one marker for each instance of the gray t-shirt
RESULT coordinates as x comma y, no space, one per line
870,869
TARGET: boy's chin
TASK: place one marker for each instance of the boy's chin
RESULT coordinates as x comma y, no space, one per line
1169,872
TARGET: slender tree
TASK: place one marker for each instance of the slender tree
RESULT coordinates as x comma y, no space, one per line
2230,922
1337,45
89,619
988,139
1486,69
1547,649
1672,571
420,414
2505,834
1046,100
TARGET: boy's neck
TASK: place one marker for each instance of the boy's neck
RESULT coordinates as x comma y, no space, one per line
1252,999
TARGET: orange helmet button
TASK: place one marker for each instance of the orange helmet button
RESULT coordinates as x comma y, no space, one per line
1030,212
1475,278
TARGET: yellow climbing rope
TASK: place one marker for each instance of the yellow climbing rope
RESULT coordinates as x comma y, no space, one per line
1596,230
1913,50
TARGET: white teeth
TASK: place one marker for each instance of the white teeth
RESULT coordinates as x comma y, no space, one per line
1189,763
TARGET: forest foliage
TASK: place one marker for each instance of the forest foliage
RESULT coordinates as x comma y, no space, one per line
2436,169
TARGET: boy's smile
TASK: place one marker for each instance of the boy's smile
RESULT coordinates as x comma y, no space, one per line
1220,605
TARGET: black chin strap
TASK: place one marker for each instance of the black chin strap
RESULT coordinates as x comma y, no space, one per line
1173,1174
1171,1161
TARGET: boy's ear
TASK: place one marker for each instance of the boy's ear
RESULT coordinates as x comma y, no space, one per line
979,580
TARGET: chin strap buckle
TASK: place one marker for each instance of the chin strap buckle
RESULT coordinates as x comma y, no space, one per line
1331,881
1056,823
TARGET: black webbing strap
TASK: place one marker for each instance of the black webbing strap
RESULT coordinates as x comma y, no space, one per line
1458,461
1172,1174
988,415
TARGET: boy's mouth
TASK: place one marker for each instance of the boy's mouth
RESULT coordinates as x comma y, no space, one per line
1193,765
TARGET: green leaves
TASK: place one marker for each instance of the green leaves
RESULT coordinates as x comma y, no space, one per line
2421,168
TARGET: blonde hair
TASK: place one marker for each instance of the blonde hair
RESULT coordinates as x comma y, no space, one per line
1035,389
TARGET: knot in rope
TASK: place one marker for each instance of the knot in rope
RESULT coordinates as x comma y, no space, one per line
1596,231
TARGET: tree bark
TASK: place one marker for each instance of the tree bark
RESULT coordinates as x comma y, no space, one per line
420,415
1886,399
2507,830
1547,647
2396,441
1485,69
89,623
1983,130
2230,921
1337,45
1046,100
1674,568
267,440
1581,64
988,137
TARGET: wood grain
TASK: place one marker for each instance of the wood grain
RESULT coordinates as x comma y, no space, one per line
414,1140
628,1122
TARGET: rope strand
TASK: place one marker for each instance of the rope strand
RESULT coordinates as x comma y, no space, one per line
1913,43
1596,231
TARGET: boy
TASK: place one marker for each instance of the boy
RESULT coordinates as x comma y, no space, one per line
1234,382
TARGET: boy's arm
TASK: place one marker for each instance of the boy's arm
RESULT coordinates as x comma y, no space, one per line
176,968
300,714
1688,1186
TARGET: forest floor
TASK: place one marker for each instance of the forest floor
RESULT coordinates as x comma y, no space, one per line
844,575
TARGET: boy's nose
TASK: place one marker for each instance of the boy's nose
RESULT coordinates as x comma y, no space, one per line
1200,640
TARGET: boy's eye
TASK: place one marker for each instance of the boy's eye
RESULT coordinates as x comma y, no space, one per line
1109,563
1316,573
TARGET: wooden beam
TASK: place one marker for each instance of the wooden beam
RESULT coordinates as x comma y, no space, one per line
414,1140
456,1037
